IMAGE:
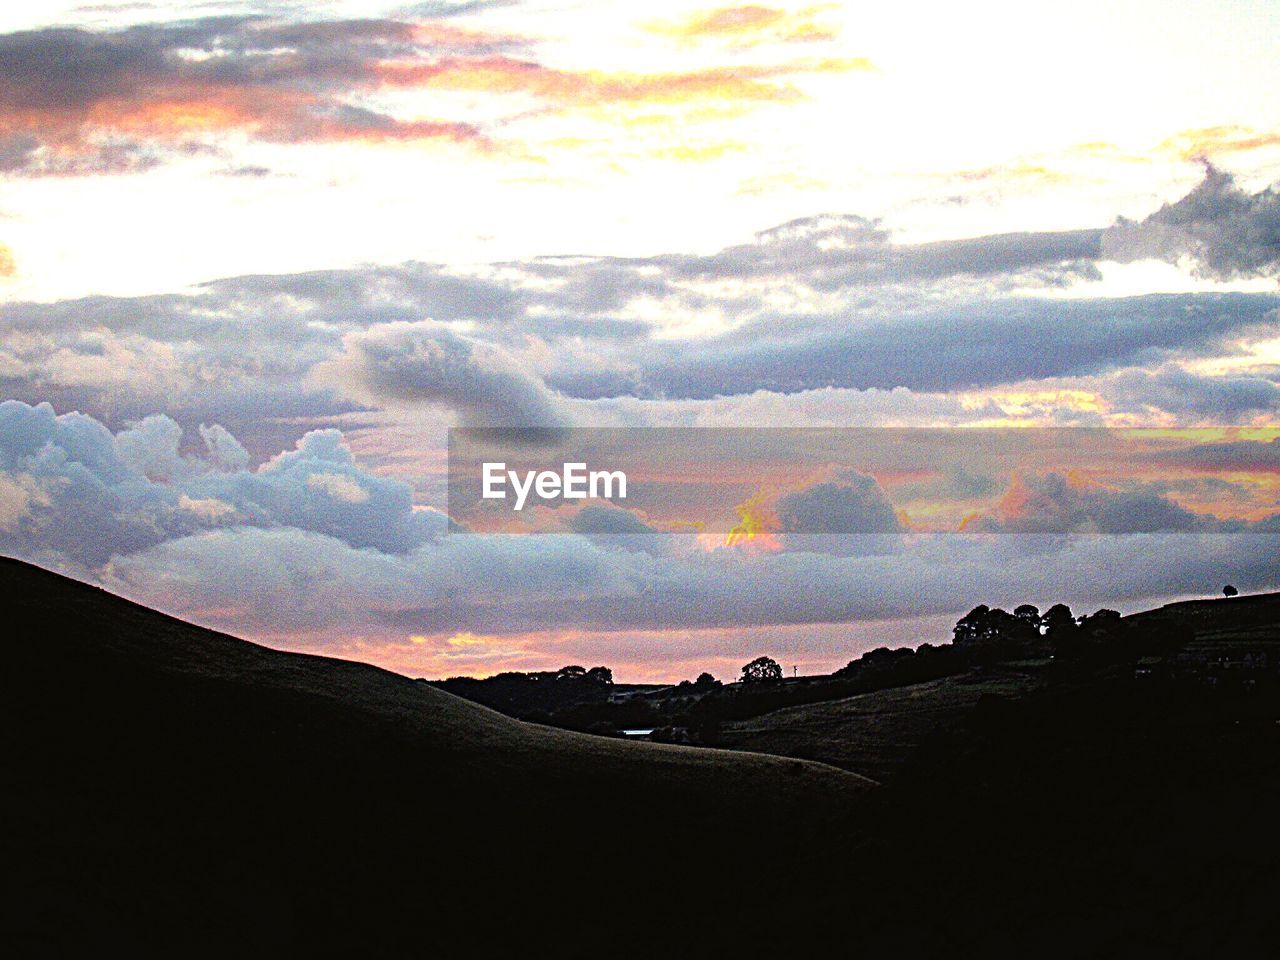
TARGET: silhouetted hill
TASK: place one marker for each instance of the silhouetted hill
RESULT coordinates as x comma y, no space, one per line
168,783
171,789
876,733
1220,618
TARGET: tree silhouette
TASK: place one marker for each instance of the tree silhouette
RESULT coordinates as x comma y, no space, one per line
1028,612
970,627
1060,630
1058,617
761,670
990,632
1229,591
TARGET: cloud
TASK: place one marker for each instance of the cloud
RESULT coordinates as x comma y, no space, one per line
747,26
962,347
1261,456
7,265
1228,398
338,487
1226,232
224,451
150,447
75,490
18,495
834,251
427,362
452,8
596,520
77,101
1054,503
313,548
494,585
815,305
850,502
1205,142
500,74
210,510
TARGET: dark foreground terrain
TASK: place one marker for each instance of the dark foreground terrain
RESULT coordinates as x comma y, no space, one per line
170,788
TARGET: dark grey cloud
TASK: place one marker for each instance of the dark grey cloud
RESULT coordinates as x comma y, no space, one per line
1223,229
415,363
75,100
865,313
1228,397
850,502
619,529
1245,455
833,252
825,254
976,345
596,520
369,295
515,584
241,351
1050,504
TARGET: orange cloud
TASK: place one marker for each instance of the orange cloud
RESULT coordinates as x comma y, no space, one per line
1020,170
698,153
82,101
508,75
7,266
748,26
1213,141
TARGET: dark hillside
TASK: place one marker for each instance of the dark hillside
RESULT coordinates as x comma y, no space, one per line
171,789
170,783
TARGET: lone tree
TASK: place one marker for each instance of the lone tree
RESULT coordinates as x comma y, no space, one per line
761,670
1229,591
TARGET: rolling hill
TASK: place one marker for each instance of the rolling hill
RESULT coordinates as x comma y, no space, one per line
169,789
169,783
877,733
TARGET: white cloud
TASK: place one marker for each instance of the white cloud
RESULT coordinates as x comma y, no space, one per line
339,487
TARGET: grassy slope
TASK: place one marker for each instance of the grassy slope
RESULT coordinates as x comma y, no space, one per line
157,771
876,733
1239,620
872,733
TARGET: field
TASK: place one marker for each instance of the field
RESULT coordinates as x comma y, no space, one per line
874,734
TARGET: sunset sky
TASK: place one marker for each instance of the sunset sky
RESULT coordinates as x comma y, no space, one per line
256,259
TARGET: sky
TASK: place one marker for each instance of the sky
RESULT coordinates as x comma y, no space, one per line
256,259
